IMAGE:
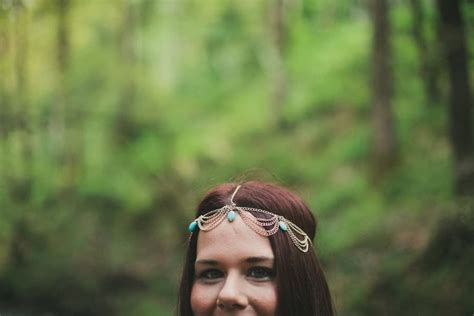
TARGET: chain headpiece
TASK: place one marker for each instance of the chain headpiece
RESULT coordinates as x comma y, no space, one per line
262,222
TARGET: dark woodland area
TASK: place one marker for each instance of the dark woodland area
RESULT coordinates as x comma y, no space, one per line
116,116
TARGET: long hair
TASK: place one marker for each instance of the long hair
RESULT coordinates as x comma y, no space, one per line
302,289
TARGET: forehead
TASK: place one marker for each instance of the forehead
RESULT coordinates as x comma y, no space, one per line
232,241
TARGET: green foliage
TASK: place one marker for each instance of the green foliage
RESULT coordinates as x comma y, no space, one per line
97,190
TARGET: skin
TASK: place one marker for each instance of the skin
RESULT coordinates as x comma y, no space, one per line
234,272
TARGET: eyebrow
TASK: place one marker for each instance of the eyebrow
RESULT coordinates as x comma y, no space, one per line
259,259
211,262
207,262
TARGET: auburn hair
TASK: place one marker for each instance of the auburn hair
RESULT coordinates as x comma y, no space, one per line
302,289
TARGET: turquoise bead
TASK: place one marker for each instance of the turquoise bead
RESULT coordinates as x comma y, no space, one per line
283,226
192,227
231,216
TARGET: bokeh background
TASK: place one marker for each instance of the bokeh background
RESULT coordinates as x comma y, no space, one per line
116,116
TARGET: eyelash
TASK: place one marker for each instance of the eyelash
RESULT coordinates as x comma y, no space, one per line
206,274
262,273
256,273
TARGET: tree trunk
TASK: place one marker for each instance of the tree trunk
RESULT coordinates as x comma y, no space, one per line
4,97
66,118
63,51
279,84
428,59
4,54
125,127
385,151
21,113
20,133
20,64
454,45
57,123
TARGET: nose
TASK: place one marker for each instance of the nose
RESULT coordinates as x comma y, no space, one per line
231,295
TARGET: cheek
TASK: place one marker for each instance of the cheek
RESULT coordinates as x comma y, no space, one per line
264,301
203,299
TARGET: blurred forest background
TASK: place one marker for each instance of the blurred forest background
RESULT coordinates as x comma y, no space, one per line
116,116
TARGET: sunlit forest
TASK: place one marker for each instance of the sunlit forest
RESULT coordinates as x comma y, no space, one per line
116,116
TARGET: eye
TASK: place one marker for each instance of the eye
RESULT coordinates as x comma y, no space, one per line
261,273
210,274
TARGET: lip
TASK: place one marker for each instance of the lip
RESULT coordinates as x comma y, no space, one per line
236,313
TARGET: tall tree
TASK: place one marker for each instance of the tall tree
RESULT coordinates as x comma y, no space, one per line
428,58
385,146
453,37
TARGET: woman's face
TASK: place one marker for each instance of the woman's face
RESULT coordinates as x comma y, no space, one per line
234,272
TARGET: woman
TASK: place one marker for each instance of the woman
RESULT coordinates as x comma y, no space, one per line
250,252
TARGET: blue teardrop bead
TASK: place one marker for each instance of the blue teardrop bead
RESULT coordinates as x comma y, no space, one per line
283,226
192,227
231,216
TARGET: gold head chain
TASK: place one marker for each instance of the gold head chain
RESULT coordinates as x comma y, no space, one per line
262,222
